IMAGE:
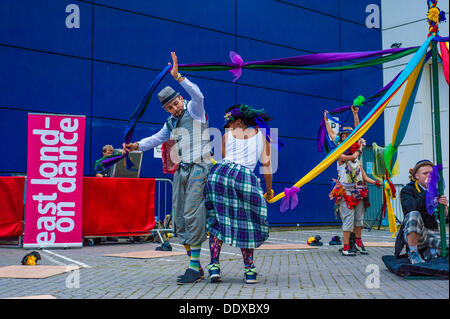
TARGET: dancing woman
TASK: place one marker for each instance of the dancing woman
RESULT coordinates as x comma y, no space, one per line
234,199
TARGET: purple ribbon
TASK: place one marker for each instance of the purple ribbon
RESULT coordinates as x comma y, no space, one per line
236,59
290,196
324,58
322,133
432,194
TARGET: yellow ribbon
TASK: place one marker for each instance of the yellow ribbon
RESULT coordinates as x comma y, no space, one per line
412,79
357,135
332,157
390,211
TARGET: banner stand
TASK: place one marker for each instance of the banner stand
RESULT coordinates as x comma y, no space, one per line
54,187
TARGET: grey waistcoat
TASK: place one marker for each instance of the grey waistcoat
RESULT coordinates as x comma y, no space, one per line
191,138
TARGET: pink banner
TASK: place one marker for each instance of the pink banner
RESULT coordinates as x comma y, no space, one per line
54,181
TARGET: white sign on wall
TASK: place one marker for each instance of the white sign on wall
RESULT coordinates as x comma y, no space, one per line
157,152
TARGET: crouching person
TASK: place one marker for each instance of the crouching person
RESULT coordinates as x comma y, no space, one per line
420,230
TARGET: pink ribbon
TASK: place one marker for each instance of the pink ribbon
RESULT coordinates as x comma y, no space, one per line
236,59
290,195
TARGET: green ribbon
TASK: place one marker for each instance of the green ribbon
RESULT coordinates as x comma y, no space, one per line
389,153
364,64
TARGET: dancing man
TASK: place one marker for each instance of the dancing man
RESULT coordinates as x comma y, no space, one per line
187,124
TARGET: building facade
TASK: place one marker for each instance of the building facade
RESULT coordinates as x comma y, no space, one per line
98,57
412,30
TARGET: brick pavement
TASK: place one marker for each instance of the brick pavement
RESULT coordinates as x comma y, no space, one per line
284,274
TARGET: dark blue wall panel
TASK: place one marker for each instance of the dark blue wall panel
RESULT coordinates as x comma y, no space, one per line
103,69
194,12
41,25
44,82
329,7
138,40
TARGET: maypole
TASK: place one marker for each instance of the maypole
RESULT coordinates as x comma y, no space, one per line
433,16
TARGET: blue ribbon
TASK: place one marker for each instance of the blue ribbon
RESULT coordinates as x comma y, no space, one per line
140,109
269,138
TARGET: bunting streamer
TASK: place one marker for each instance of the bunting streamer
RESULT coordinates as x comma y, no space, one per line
444,57
367,122
324,144
432,194
389,194
403,116
300,64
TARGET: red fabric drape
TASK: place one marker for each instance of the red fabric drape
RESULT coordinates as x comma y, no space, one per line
118,206
11,206
169,166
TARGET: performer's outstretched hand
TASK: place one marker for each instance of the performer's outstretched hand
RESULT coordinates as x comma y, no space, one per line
174,70
127,148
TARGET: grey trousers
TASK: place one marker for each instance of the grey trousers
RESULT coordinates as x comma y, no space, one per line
351,217
188,201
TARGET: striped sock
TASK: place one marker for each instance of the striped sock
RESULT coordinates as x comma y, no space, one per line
194,263
188,250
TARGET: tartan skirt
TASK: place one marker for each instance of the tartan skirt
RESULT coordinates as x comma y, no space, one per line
235,206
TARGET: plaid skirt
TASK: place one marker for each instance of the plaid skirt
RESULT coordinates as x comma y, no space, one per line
235,206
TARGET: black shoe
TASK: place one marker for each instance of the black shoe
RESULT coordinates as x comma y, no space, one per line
202,273
348,253
164,247
189,277
362,250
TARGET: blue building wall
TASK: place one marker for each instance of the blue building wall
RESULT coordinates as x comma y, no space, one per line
103,69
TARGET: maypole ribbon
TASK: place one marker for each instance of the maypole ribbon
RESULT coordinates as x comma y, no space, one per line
236,59
137,114
235,67
293,64
366,123
432,194
403,115
291,197
389,194
324,144
444,57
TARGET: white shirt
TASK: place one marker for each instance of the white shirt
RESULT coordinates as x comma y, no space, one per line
195,108
246,152
343,172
